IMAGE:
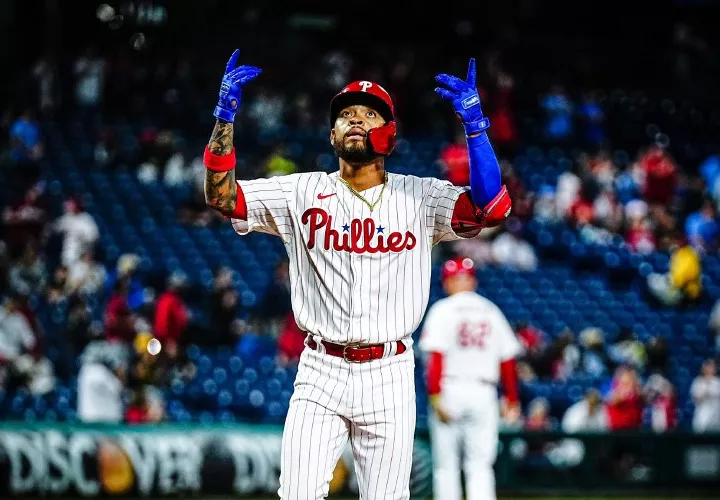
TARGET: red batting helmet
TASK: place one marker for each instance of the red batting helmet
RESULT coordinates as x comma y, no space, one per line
382,139
458,266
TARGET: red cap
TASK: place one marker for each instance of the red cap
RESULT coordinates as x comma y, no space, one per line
363,92
457,266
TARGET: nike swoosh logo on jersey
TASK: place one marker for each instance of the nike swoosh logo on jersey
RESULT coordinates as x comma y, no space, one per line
323,196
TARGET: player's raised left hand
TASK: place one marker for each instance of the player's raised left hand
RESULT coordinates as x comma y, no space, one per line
465,99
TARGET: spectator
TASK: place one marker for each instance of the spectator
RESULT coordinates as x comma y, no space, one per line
89,70
267,111
682,284
660,395
119,318
561,358
628,350
144,408
702,228
86,276
291,341
57,290
594,360
101,386
223,308
149,369
25,219
172,314
705,392
545,209
77,333
660,176
16,337
568,189
558,110
127,269
592,119
454,160
26,145
640,235
503,133
587,415
511,251
538,417
107,150
178,170
79,230
657,355
532,340
46,75
627,184
582,210
624,400
710,172
29,276
22,364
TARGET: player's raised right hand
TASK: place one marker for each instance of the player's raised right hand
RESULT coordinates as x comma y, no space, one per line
231,88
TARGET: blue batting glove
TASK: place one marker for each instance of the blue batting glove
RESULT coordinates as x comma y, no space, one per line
465,99
231,88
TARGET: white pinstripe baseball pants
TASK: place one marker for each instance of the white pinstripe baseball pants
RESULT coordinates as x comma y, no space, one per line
372,404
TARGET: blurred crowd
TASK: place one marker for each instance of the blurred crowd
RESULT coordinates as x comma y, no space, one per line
641,193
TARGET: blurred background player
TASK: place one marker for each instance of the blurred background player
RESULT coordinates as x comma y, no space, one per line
470,345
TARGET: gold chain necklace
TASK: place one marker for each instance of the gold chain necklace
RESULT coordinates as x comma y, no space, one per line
362,198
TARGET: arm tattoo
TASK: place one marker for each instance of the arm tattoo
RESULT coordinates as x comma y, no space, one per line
220,187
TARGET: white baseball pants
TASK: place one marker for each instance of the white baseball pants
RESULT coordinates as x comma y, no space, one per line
469,442
372,404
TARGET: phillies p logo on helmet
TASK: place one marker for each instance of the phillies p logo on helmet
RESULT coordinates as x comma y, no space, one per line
365,85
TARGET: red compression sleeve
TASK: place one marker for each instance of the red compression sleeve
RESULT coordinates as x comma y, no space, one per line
240,211
509,378
434,372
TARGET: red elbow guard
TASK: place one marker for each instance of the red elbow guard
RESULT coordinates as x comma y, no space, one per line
509,378
498,209
434,372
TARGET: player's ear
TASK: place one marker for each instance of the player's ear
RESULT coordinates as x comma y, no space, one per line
332,135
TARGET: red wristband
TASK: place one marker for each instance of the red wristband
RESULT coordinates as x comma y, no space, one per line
219,163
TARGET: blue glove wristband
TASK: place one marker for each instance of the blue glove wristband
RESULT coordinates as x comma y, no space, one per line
476,127
224,114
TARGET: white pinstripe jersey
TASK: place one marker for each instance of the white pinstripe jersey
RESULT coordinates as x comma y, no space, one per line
356,275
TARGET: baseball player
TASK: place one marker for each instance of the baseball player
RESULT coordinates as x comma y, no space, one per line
469,345
359,242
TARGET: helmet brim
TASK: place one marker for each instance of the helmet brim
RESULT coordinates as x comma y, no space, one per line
342,101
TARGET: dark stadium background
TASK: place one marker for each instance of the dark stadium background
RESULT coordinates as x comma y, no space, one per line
653,88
